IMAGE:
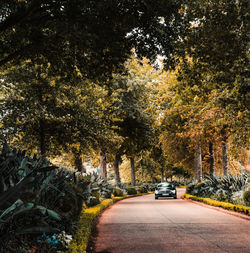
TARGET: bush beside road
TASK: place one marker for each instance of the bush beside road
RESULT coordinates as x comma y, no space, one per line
216,203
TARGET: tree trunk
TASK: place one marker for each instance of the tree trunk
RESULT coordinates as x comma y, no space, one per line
103,164
42,138
152,178
78,161
143,175
198,164
132,165
224,157
195,167
116,170
212,159
166,178
162,175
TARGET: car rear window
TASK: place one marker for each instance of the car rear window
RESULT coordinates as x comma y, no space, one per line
165,186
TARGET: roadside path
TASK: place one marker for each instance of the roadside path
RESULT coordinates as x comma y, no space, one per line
145,225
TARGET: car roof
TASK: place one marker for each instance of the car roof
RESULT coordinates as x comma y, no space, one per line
164,184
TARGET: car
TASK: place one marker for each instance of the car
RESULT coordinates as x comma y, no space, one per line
165,190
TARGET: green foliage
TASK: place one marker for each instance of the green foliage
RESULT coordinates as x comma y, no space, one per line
94,199
219,36
199,188
246,197
39,107
207,101
132,122
141,189
98,187
131,190
118,192
149,186
225,205
220,188
93,37
190,188
181,182
36,197
148,166
82,234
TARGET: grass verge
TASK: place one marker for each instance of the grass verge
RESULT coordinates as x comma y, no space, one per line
225,205
81,237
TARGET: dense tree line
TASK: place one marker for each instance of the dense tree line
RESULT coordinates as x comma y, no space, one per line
74,80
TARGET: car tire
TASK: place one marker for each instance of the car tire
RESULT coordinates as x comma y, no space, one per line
175,197
156,197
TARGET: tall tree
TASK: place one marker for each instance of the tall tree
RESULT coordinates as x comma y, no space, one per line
217,46
31,111
135,123
51,115
212,159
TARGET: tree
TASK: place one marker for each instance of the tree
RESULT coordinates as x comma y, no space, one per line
96,37
88,39
218,41
31,111
131,101
147,167
49,115
217,44
211,95
157,154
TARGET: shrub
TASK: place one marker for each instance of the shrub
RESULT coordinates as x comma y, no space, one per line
150,186
178,183
220,195
36,197
94,198
227,188
227,184
225,205
141,189
131,190
200,189
246,197
117,192
190,188
81,237
106,195
199,185
237,198
98,183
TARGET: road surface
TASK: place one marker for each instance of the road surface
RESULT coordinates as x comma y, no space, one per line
145,225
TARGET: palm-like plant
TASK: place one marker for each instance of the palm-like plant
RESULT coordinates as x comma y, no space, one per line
221,188
37,197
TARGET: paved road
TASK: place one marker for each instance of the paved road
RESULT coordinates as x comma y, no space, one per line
146,225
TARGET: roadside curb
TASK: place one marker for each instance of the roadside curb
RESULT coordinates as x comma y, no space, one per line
237,214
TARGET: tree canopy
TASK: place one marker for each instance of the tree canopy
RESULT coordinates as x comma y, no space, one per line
94,37
164,83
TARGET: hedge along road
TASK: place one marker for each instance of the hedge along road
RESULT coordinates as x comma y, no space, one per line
145,225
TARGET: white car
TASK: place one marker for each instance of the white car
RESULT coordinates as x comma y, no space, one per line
165,190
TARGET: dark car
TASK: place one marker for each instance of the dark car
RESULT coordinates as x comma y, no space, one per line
165,190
